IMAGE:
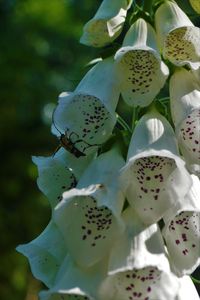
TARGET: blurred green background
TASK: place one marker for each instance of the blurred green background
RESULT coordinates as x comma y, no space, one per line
40,56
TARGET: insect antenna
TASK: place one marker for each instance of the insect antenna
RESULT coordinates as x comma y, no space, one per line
53,122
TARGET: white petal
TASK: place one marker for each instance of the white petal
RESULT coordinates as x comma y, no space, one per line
169,16
182,232
157,175
59,173
187,289
107,23
178,37
141,72
95,77
189,140
184,94
73,282
85,225
45,254
87,116
148,283
138,247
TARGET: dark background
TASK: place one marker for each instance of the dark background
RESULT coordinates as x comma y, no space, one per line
40,56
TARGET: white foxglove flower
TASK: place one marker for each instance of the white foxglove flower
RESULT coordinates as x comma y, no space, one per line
184,94
89,218
195,5
141,72
139,268
185,107
178,37
74,283
45,254
87,116
155,173
182,232
189,140
59,173
187,289
107,23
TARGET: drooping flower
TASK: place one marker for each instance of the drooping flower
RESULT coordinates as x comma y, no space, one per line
195,5
89,218
178,37
155,173
45,254
87,116
107,23
138,268
182,232
184,94
59,173
185,107
141,72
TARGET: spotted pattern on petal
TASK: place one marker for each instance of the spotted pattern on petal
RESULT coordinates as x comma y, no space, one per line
138,284
150,176
96,33
185,232
55,179
95,228
140,71
98,220
190,135
89,122
183,44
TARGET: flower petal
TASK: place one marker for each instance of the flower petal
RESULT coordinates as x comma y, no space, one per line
182,232
107,23
189,140
45,254
73,282
157,175
178,37
184,94
137,246
141,72
87,116
59,173
187,289
95,226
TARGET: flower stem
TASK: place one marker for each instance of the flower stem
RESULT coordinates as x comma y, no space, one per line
147,6
123,123
195,280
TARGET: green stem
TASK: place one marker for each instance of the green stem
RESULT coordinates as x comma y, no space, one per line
123,123
195,280
147,6
134,117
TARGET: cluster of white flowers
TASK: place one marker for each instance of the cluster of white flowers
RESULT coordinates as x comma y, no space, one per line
125,228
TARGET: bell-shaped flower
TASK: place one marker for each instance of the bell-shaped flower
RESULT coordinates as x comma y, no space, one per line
155,173
182,232
107,23
195,5
185,108
59,173
141,72
87,116
138,267
187,289
75,283
184,94
178,37
45,254
89,218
